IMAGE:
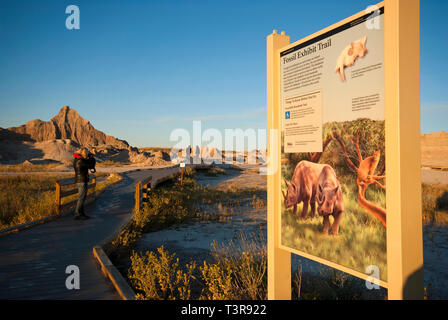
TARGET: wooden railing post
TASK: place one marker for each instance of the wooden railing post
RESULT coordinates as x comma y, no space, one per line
58,197
59,194
137,196
146,189
94,184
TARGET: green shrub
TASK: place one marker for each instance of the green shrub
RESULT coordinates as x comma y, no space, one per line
217,280
157,276
435,203
240,270
213,172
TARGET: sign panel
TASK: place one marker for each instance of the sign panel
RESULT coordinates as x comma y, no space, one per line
333,206
303,122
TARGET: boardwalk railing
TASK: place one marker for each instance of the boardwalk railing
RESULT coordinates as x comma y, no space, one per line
142,189
62,194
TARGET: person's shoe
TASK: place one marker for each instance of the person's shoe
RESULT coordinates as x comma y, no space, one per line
77,217
84,217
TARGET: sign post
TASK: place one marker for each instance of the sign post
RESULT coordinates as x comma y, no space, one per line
404,232
182,165
346,103
279,260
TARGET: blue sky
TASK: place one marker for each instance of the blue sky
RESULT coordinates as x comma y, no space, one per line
139,69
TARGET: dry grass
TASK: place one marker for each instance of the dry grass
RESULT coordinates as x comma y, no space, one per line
158,276
26,198
28,167
239,272
213,172
435,203
331,284
110,163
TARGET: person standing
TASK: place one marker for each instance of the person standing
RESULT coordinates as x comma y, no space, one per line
82,162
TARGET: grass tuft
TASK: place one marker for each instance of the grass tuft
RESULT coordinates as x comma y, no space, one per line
26,198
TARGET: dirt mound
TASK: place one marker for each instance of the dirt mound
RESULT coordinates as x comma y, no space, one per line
157,158
130,155
209,155
434,149
16,152
58,149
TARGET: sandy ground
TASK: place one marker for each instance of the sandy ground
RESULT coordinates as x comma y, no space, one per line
434,176
248,178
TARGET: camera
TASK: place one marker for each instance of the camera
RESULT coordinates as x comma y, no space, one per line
92,162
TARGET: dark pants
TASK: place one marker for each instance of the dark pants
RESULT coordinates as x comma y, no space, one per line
82,194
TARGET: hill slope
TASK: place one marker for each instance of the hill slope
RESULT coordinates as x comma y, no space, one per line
67,124
434,149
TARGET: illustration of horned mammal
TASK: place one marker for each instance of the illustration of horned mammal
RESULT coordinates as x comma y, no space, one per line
329,199
365,176
303,187
349,55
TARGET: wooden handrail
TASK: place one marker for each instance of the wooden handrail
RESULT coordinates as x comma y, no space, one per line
66,182
69,181
142,189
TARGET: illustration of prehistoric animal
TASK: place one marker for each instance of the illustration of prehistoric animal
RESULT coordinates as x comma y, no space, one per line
329,199
349,55
367,169
302,187
365,176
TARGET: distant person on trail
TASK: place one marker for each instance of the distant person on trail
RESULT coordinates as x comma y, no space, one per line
82,162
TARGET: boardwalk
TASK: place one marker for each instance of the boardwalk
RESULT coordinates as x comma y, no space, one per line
33,261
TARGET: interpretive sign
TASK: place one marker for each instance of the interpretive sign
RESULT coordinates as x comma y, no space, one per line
333,147
335,98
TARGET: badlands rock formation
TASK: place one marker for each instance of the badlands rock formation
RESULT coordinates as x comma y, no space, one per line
434,149
56,140
67,124
210,155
